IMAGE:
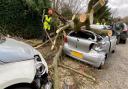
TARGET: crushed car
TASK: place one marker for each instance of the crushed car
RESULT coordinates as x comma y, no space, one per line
89,47
21,66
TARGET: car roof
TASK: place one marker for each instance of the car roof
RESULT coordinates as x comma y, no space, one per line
95,26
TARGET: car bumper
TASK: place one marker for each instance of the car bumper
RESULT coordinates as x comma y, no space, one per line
93,58
123,36
41,80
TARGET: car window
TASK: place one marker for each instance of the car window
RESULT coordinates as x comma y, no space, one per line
83,34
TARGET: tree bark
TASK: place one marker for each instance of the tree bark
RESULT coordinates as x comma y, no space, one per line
55,67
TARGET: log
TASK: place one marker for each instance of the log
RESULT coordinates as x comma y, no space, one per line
83,74
58,32
55,67
77,22
102,32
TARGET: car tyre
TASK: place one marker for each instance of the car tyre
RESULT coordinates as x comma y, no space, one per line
124,41
113,51
25,87
100,67
106,56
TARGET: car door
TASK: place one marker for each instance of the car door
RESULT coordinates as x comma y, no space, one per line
84,41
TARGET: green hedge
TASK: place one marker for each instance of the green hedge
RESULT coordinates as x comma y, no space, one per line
17,19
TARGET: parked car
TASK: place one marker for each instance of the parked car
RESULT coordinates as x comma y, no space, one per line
121,30
21,66
89,47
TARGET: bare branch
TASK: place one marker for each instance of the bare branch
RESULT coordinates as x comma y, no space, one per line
76,71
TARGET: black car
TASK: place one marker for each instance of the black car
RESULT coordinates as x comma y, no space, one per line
121,30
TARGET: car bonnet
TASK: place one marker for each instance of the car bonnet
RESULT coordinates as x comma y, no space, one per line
14,51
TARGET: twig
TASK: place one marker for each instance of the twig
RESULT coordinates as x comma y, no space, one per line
41,44
58,31
48,36
84,74
38,46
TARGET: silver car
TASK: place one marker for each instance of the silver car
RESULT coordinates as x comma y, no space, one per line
89,47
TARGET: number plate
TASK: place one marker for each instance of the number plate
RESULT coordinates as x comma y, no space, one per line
77,54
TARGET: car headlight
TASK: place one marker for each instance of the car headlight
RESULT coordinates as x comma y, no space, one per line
40,68
98,47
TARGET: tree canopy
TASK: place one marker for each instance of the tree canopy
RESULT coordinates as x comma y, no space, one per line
102,13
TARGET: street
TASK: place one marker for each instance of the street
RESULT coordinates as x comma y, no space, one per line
115,72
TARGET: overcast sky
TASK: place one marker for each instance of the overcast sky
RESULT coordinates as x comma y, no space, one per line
119,7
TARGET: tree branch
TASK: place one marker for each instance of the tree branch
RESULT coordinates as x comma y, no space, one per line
76,71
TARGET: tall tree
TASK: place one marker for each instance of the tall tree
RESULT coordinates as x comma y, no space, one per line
102,13
11,13
70,7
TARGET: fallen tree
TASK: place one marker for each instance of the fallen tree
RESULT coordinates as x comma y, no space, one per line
55,68
84,20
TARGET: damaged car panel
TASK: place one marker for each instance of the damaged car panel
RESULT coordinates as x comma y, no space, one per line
89,47
77,40
12,51
21,64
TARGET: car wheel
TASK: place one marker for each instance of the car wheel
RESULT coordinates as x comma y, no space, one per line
124,41
113,51
106,56
100,67
22,88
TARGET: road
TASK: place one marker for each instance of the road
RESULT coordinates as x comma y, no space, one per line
114,74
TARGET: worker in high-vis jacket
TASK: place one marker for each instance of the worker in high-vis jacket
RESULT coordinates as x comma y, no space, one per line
47,21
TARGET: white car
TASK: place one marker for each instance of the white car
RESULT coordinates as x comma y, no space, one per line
21,66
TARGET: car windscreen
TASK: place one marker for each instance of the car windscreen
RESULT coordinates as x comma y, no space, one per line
82,34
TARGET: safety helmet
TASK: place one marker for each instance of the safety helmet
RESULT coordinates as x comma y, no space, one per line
50,11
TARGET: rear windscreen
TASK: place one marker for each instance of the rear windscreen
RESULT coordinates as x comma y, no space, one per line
82,34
